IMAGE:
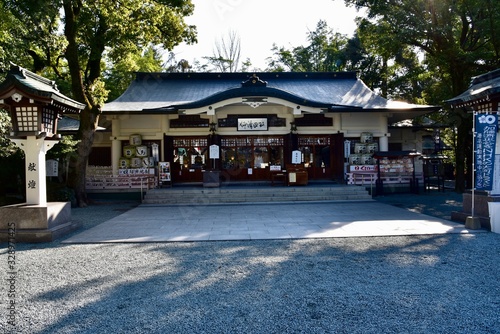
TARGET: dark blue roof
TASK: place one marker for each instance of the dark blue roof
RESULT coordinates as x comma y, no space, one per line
330,91
482,86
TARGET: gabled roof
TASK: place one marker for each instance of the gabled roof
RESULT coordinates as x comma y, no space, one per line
68,124
38,87
482,87
329,91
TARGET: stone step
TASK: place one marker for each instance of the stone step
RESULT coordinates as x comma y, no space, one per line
198,196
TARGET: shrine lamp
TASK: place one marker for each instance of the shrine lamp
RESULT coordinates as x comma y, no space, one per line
34,104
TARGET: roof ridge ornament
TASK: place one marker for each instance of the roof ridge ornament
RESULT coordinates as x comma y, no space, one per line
254,81
254,102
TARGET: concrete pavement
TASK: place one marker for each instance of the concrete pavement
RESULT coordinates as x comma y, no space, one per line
299,220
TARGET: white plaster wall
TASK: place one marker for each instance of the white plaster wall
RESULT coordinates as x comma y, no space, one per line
148,126
353,124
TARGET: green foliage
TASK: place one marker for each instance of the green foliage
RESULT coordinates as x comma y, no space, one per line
325,52
456,40
119,77
459,39
7,148
76,40
12,177
394,72
65,149
58,192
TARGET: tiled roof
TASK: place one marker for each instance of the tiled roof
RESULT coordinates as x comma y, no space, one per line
38,86
171,92
68,124
482,86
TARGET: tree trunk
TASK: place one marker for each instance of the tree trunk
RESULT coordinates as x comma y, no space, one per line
463,161
88,117
88,125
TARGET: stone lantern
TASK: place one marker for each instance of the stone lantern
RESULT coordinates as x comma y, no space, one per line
34,104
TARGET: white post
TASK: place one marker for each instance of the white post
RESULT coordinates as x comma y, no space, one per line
383,141
472,222
36,184
116,145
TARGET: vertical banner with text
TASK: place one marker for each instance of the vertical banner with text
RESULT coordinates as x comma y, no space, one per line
484,148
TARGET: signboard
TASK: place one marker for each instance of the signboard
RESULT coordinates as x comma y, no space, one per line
52,167
164,172
296,157
135,171
214,151
484,149
347,148
252,124
363,168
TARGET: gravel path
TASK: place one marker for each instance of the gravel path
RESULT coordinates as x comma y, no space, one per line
418,284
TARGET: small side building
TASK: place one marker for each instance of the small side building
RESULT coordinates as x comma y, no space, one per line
483,95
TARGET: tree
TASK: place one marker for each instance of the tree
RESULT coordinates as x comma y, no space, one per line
459,39
325,52
12,164
94,33
226,55
119,77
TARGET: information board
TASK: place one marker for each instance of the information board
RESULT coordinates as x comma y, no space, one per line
164,172
484,148
296,157
214,151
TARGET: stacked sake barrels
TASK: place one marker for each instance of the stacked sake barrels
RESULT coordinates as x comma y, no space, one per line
136,155
363,151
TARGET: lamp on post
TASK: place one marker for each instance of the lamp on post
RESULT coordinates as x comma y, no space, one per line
34,127
34,104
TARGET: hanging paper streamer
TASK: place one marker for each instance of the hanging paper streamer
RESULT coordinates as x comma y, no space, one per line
484,148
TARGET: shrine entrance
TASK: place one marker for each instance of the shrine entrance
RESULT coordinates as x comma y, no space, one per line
254,158
251,158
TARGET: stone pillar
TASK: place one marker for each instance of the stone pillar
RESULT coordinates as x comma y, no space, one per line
116,145
383,142
36,184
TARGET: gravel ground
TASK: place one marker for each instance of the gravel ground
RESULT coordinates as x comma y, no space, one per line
417,284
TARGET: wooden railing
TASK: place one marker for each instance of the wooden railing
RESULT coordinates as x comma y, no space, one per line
145,182
371,178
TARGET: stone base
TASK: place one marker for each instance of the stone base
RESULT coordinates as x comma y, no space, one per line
34,223
460,216
472,223
481,210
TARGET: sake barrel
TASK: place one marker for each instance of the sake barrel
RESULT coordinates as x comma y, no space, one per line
366,159
135,140
136,162
141,151
129,151
359,148
124,163
366,137
148,162
371,147
355,159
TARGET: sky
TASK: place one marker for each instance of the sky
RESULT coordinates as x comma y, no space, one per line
260,23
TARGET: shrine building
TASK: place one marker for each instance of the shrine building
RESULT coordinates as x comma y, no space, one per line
258,123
